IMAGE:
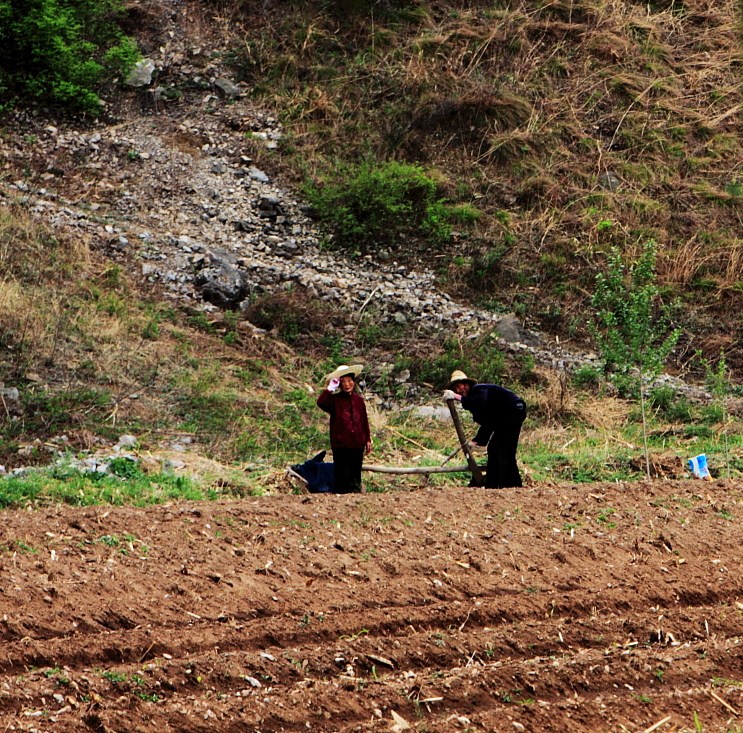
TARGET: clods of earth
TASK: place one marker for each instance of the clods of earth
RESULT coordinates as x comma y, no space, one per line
609,607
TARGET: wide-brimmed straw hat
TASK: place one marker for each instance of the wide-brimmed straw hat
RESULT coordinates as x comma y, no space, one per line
459,376
343,370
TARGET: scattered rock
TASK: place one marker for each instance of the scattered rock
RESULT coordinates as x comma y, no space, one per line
610,181
227,87
511,330
141,74
214,229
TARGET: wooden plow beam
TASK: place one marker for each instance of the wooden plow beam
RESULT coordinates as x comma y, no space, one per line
416,469
425,470
477,477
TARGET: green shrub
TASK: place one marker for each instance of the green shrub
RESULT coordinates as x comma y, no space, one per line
587,377
125,468
60,51
478,358
632,326
464,213
382,205
669,404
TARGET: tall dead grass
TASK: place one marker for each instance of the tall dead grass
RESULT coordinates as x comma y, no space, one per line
524,107
37,271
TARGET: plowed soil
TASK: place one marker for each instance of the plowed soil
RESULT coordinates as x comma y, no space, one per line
611,607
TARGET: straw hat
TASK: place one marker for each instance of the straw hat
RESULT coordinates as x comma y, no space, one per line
344,369
459,376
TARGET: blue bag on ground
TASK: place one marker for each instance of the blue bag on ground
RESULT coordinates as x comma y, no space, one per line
698,466
320,476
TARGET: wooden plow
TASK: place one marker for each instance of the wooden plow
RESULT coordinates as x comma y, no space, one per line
471,467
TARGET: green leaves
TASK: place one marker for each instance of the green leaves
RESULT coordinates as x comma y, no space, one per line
60,51
373,204
631,325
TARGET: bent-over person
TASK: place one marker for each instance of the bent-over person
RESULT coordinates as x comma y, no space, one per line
500,414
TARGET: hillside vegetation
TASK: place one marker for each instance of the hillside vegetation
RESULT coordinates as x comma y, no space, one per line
571,126
533,137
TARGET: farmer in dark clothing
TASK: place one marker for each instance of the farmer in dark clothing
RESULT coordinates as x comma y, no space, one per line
500,414
350,437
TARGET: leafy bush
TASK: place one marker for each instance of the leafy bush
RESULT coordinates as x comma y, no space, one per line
587,377
125,468
667,403
60,51
631,325
478,358
381,205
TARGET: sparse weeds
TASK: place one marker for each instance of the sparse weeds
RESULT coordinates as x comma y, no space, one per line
20,546
204,404
604,517
698,727
57,673
124,543
134,684
726,682
115,678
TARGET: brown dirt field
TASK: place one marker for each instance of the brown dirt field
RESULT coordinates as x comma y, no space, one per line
611,607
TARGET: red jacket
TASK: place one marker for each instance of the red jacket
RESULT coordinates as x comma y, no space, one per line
349,425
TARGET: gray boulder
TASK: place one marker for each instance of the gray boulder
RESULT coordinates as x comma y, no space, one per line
509,328
222,284
227,87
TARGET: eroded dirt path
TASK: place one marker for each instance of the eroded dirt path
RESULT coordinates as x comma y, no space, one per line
609,607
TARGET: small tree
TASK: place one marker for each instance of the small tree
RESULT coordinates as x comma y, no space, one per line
719,383
632,326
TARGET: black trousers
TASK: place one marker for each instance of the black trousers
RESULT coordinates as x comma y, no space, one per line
347,467
502,471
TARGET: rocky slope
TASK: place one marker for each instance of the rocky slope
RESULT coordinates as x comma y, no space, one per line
167,185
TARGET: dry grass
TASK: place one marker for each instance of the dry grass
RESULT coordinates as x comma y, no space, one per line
521,108
554,400
681,265
37,270
94,356
30,253
538,100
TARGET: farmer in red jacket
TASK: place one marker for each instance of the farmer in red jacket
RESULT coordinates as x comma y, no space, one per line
350,437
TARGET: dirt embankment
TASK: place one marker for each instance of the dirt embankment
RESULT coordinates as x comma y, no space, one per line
610,607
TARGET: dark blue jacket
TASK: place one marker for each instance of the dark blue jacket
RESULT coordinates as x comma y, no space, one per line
489,405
